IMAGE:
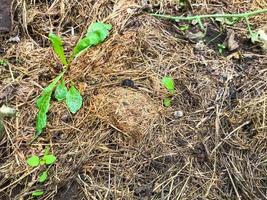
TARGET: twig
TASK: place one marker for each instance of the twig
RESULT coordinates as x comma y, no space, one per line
196,17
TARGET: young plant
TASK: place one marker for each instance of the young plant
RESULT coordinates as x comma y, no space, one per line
221,48
168,83
96,34
36,161
225,18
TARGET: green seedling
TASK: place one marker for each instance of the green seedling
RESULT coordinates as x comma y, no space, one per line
221,48
168,83
37,193
3,63
96,34
183,27
35,161
43,177
226,18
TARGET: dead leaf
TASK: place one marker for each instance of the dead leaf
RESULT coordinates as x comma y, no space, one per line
231,43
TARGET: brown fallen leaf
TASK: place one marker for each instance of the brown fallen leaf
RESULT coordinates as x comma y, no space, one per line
231,43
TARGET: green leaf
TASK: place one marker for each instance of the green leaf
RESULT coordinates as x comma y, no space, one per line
74,99
41,120
221,48
101,28
168,82
43,103
49,159
33,161
167,102
96,33
61,91
37,193
183,27
42,177
58,47
81,46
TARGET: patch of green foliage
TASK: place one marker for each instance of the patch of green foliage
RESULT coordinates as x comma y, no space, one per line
35,161
96,34
168,83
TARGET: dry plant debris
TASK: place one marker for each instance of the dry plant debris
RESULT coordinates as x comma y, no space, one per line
123,143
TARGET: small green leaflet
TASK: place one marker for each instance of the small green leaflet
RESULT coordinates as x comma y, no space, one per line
49,159
74,99
42,177
168,82
43,103
33,161
37,193
58,47
183,27
167,102
61,91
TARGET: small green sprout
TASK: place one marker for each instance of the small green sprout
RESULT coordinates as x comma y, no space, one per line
167,102
35,161
96,34
168,83
3,63
183,27
221,48
37,193
43,177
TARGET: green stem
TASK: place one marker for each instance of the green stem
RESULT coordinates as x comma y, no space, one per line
190,18
248,25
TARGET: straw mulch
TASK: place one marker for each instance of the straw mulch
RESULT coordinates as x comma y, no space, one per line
123,144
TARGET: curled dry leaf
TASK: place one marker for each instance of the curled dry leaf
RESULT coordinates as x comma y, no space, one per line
231,43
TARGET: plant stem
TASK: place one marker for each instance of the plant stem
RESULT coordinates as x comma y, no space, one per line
198,17
249,27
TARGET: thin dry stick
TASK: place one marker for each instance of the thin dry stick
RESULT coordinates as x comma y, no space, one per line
228,136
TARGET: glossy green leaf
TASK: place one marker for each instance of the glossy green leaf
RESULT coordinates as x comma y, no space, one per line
43,103
168,83
58,47
74,100
37,193
49,159
42,177
61,91
33,161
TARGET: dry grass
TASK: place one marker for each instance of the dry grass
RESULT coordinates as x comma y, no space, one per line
123,144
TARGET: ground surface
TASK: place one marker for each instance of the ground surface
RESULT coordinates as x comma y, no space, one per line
123,144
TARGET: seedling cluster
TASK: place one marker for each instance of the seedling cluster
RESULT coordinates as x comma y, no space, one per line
35,161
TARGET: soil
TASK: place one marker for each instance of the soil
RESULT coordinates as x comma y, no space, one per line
211,143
